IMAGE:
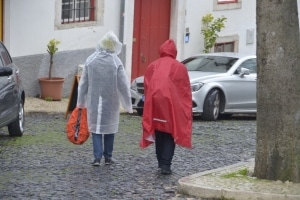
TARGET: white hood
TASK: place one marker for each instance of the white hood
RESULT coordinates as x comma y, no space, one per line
110,42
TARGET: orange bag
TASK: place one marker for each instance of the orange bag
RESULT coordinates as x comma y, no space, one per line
77,126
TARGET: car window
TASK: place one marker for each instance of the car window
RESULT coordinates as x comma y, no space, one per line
1,62
5,58
210,63
248,64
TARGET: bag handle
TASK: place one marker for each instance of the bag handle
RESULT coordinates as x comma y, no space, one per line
77,126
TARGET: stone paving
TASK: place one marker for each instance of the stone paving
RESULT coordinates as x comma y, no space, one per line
43,164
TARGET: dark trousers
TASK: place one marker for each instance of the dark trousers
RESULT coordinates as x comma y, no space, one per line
165,147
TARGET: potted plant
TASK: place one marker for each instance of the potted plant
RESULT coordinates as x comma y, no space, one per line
51,87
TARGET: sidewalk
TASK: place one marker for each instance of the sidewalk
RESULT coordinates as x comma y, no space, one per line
213,184
33,104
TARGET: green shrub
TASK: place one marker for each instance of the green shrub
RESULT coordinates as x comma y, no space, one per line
211,29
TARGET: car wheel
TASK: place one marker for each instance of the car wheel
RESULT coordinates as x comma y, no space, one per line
140,111
211,107
16,128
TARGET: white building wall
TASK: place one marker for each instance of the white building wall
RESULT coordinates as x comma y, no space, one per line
128,33
237,23
27,34
31,24
177,25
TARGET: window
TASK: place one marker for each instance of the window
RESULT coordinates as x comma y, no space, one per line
5,58
248,64
228,43
227,4
217,64
1,62
224,47
227,1
77,11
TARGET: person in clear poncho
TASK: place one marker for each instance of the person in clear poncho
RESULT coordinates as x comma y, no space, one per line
102,86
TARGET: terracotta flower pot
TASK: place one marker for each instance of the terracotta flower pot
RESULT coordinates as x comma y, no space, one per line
51,89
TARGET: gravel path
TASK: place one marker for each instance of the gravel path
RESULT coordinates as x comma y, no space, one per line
44,165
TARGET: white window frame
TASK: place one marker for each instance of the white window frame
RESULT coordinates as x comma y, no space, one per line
227,6
217,46
99,16
74,6
227,1
226,39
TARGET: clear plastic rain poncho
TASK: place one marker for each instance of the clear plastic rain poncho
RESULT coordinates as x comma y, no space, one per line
103,85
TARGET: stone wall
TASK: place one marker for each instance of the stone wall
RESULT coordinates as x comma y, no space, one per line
65,65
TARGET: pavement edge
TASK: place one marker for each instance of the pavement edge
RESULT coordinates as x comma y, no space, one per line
194,186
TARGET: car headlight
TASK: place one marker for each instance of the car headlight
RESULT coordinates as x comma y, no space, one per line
133,85
196,86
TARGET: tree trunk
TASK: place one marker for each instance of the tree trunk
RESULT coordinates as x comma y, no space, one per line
278,91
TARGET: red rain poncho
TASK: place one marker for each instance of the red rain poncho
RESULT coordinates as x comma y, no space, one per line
168,99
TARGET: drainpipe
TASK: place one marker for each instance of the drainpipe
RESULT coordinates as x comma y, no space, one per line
121,29
121,33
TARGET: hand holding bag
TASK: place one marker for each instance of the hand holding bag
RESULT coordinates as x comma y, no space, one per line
77,126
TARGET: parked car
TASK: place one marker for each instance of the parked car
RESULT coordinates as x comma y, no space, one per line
12,96
221,83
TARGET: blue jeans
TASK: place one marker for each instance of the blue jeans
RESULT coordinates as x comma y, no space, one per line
100,149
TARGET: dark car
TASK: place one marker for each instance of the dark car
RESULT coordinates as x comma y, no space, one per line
12,96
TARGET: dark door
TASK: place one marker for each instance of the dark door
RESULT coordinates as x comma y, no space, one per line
151,29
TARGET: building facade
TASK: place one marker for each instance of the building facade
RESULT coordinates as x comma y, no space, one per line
79,24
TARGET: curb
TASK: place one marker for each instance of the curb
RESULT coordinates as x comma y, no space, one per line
211,184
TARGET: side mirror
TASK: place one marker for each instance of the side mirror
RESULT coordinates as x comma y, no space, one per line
244,71
6,71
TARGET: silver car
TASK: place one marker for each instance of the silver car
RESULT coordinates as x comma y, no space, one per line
221,83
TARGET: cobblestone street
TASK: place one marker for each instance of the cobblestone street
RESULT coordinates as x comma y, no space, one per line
43,164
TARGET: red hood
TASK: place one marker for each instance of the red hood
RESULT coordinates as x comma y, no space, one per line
168,48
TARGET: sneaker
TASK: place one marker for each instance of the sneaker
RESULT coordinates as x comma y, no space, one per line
166,171
96,162
108,161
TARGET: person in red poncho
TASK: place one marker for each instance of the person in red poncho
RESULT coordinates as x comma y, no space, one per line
167,115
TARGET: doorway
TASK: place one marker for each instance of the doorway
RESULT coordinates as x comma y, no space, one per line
151,29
